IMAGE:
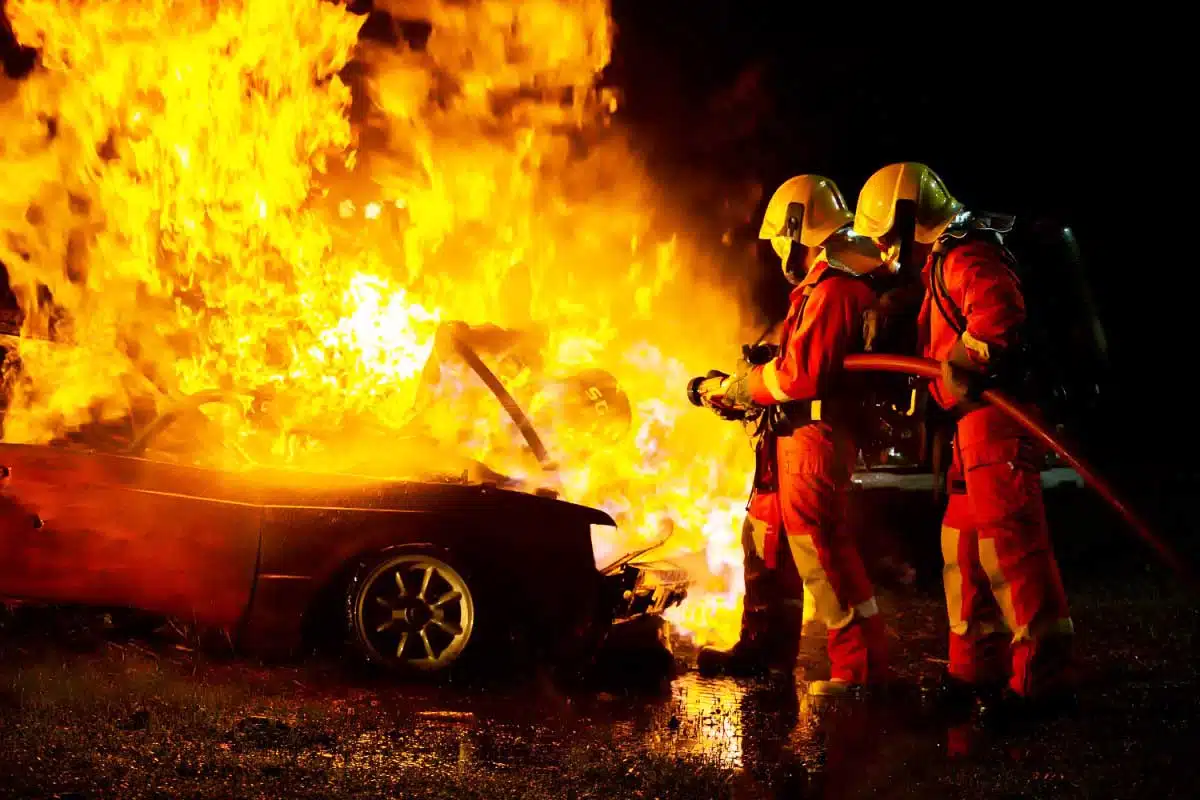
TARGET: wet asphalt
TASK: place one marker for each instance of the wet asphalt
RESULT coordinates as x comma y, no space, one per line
96,708
89,710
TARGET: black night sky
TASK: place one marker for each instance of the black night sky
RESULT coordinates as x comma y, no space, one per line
1075,119
1078,120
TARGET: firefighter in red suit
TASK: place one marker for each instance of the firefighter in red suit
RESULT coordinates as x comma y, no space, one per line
811,407
773,600
1009,621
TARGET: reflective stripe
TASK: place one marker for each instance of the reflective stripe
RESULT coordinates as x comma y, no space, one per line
819,591
952,580
757,538
989,559
770,376
979,348
826,606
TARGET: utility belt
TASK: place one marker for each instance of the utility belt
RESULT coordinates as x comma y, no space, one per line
785,419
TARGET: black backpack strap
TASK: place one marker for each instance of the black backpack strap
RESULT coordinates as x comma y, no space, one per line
941,294
808,290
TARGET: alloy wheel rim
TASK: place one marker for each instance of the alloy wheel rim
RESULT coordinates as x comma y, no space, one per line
416,611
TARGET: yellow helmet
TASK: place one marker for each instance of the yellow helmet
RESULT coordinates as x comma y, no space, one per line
933,204
805,209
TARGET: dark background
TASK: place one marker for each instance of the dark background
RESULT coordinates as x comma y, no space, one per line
1079,119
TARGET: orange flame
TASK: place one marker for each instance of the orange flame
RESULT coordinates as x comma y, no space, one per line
242,195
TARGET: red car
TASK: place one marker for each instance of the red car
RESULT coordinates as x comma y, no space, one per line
423,573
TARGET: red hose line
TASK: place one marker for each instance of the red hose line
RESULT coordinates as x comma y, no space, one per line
926,368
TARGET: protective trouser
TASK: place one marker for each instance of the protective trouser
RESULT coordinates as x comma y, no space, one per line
1004,594
815,462
773,606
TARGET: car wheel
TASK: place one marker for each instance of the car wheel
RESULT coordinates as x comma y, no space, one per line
411,611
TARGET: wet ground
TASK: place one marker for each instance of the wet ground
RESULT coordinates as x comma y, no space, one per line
89,709
89,712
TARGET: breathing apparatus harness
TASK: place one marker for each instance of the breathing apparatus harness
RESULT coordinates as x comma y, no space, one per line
991,228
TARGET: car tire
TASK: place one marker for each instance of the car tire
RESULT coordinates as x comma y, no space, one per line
415,611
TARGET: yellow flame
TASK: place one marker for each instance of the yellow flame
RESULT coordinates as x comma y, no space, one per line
245,195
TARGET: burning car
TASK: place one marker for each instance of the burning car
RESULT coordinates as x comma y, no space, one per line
353,183
426,574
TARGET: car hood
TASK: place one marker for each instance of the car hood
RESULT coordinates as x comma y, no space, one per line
281,488
284,488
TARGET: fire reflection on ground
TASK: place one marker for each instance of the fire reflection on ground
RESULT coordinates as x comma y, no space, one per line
734,728
124,716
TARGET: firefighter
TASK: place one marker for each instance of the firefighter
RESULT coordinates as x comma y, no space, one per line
809,408
773,597
1009,622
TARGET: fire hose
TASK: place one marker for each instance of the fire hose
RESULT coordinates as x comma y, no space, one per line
926,368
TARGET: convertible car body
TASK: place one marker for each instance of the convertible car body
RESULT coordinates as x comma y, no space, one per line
254,552
423,573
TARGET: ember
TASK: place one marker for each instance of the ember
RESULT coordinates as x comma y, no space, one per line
247,196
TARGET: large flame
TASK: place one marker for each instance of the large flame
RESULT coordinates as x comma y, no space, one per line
246,195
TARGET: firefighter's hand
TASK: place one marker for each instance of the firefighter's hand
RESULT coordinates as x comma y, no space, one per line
965,372
964,385
714,393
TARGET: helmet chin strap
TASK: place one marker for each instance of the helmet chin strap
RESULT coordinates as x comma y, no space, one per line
905,230
794,263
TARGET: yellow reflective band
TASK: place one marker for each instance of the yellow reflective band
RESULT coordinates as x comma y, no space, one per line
952,581
980,349
770,376
989,559
867,609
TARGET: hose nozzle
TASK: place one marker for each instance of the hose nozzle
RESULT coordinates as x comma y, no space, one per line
693,388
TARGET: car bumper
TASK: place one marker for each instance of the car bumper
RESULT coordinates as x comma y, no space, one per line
644,588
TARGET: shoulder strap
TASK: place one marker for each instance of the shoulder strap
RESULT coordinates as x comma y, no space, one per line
793,320
941,294
808,290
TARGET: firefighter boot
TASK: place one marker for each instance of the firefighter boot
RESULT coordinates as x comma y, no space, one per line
751,657
1049,690
746,659
859,661
955,699
768,645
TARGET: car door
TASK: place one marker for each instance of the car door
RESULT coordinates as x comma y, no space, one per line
98,529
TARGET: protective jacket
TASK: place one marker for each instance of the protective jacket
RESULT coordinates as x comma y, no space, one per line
1005,598
813,459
